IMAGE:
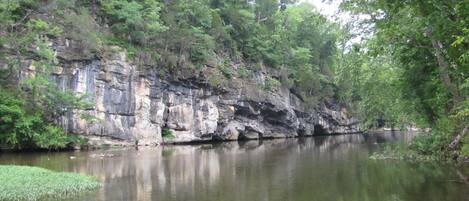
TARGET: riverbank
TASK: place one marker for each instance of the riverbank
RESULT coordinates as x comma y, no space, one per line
33,183
317,168
97,142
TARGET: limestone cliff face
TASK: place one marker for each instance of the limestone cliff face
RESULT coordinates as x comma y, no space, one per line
135,103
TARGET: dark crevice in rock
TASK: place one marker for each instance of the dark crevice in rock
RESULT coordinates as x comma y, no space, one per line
301,132
319,130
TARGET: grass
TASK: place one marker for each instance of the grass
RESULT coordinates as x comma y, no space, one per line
33,183
167,133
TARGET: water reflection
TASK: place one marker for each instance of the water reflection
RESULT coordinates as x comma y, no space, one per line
321,168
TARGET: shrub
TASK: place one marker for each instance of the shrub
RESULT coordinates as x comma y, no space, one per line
436,142
51,137
243,72
21,127
272,83
217,80
428,144
225,68
82,29
167,133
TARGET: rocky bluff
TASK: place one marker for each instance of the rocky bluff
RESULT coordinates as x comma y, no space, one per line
134,103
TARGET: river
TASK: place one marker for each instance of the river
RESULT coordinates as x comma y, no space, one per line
326,168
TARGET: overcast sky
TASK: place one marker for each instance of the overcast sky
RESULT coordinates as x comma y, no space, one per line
328,8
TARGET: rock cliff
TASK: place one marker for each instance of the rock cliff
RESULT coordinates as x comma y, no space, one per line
134,103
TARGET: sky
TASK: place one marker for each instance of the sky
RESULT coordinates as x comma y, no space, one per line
328,8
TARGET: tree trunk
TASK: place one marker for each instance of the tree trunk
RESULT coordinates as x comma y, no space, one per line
94,8
444,67
449,85
457,140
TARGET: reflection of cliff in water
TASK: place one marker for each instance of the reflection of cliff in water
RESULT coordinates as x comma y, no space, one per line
320,168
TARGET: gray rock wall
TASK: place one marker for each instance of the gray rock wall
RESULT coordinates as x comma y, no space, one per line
133,103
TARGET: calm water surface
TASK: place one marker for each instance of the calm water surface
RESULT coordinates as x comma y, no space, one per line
333,168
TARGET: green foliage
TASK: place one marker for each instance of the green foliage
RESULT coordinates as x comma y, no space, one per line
194,31
465,147
11,11
424,147
28,111
217,80
33,183
167,133
187,40
65,4
22,127
15,123
137,20
461,111
402,152
53,137
225,68
429,144
176,37
272,84
201,47
434,145
82,29
309,40
412,70
243,73
130,48
372,87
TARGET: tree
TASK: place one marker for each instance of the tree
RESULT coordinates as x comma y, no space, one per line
424,40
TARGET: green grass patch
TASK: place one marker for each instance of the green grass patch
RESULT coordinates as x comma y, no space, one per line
33,183
167,133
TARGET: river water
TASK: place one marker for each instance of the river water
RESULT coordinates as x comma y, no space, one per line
328,168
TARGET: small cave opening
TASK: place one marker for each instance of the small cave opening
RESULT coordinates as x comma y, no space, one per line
319,130
301,132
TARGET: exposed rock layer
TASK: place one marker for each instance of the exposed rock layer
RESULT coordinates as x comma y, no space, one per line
134,103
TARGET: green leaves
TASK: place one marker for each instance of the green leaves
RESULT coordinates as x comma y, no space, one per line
23,127
28,111
166,133
272,84
139,18
188,33
83,29
422,79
